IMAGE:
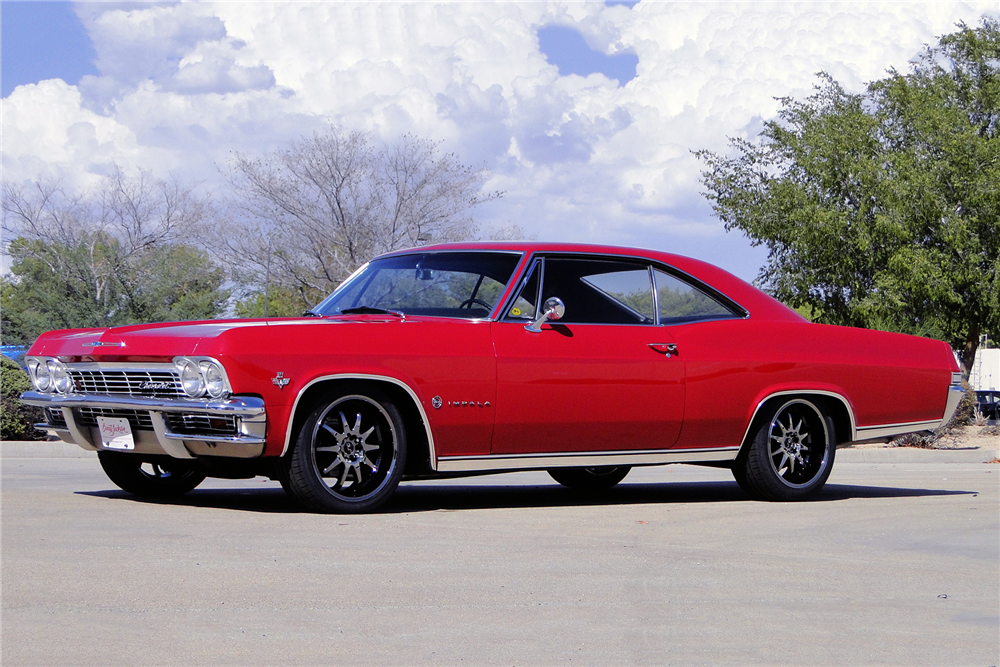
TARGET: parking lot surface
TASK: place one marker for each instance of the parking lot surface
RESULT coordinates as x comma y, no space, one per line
893,564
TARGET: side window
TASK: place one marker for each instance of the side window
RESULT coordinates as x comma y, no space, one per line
678,301
600,291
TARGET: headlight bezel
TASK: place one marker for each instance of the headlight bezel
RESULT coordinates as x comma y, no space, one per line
61,382
38,371
214,376
202,377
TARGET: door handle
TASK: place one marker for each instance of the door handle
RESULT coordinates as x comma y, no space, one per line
665,348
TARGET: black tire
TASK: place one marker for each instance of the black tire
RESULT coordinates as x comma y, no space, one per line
589,479
349,455
161,478
791,455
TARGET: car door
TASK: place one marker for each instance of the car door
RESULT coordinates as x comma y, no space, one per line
605,377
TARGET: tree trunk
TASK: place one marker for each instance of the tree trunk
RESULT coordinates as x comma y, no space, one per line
969,350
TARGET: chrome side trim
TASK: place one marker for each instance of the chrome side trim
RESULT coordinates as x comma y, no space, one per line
363,376
800,392
583,459
890,430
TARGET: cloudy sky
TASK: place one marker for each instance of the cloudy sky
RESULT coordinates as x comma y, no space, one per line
585,113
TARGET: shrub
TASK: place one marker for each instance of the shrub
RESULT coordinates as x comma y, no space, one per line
16,418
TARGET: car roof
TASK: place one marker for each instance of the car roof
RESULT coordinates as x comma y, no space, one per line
759,304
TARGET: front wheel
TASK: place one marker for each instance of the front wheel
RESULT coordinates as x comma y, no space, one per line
589,479
162,478
791,456
349,455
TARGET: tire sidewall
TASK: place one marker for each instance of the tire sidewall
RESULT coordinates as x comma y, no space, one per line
590,479
304,478
125,470
760,474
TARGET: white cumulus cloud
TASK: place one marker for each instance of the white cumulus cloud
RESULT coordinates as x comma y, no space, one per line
581,158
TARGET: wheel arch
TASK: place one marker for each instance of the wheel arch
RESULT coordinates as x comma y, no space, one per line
834,405
420,440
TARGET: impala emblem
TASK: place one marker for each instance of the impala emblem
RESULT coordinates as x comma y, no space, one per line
280,380
437,402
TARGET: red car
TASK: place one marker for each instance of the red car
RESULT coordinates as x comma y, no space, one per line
490,357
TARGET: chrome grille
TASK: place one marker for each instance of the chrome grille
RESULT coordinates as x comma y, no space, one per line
138,419
55,417
201,424
131,382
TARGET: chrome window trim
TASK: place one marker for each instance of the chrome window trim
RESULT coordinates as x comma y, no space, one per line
364,376
653,264
417,251
648,457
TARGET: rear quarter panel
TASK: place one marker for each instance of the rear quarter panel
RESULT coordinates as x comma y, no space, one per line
731,366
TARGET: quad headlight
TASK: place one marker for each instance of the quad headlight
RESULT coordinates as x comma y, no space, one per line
61,380
49,375
200,377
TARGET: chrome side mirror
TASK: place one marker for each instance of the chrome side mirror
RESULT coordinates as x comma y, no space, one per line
553,309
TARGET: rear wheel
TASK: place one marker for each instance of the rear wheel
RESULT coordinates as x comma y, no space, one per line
589,479
162,478
791,456
349,455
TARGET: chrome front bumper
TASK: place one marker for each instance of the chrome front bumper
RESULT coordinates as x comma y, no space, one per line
248,413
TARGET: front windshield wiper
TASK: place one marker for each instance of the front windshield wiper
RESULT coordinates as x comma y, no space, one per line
370,310
311,313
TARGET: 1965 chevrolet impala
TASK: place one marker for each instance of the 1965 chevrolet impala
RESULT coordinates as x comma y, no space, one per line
462,359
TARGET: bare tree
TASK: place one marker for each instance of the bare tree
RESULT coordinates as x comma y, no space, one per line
100,257
316,210
124,216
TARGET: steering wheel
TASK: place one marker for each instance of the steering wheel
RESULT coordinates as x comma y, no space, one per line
468,304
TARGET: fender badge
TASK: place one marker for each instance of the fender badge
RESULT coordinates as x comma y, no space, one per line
280,380
437,402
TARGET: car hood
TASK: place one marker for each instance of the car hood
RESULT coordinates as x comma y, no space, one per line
162,341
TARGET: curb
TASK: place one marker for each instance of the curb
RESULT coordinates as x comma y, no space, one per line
42,449
914,455
56,449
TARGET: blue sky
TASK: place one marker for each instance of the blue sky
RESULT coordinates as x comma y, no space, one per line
46,40
42,40
586,113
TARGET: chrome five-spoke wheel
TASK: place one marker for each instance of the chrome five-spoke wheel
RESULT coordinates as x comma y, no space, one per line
791,455
349,454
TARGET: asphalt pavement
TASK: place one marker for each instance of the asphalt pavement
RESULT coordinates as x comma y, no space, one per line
895,563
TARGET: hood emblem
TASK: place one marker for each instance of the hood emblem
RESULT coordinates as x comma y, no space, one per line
280,380
102,343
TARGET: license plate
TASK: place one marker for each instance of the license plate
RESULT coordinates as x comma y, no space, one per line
115,433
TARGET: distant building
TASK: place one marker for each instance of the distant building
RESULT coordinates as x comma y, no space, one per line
985,374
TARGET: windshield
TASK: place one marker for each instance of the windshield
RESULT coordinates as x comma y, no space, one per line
443,284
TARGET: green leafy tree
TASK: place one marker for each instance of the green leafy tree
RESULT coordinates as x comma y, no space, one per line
881,209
